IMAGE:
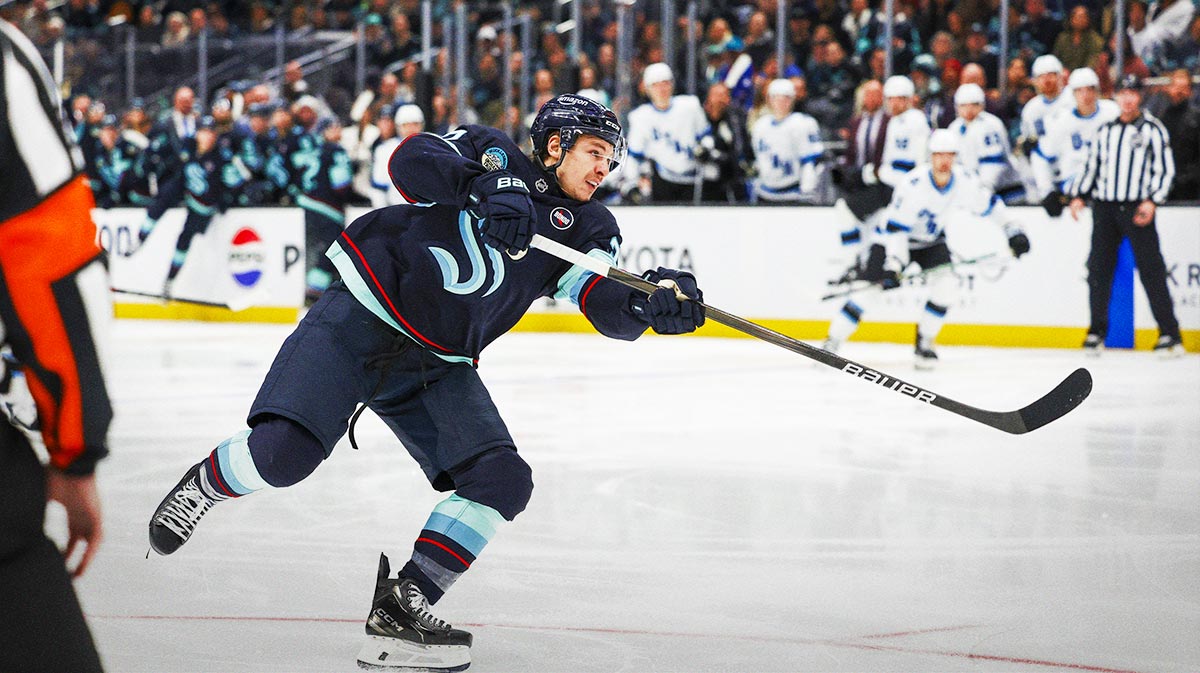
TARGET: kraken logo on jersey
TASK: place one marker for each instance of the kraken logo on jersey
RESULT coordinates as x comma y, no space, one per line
494,159
449,266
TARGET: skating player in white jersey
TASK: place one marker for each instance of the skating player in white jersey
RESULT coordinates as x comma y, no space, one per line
663,137
1062,151
983,146
1047,74
395,124
907,132
905,147
787,148
921,205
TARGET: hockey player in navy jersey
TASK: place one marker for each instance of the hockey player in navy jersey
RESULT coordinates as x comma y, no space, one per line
210,180
424,288
325,175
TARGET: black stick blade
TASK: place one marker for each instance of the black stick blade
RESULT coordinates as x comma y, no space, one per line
1058,402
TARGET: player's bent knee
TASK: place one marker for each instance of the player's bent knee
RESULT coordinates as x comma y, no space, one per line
284,451
498,478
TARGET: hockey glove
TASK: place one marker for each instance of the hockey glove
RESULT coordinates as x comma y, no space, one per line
873,270
1019,243
1054,203
663,310
505,211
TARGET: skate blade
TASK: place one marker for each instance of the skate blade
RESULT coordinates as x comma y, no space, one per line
391,654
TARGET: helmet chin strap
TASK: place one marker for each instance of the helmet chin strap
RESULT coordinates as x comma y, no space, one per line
552,170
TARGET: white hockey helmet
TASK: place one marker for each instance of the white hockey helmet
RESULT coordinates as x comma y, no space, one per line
655,73
898,86
968,93
943,140
410,114
1045,64
781,87
1083,77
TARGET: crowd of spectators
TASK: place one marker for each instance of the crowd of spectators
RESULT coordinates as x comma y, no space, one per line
832,48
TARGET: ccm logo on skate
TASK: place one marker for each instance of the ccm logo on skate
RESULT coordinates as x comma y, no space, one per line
888,382
246,257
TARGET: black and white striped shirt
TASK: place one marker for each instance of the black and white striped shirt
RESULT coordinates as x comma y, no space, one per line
1128,162
38,154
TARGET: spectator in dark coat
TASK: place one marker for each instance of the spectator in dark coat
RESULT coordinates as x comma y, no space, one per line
1180,113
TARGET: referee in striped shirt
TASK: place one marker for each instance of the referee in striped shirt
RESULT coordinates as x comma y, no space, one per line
1127,175
54,305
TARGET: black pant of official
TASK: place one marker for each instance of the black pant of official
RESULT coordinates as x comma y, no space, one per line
1112,222
43,629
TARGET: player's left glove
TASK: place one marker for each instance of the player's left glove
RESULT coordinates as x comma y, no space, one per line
1019,243
663,310
505,209
874,270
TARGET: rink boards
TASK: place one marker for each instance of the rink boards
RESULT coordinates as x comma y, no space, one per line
768,264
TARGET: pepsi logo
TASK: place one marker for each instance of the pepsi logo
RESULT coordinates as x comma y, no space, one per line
246,257
561,218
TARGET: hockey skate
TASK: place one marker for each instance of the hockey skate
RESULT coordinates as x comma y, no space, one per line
177,515
403,636
1168,347
924,356
1093,345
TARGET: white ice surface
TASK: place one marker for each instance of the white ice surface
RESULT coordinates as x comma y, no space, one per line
701,505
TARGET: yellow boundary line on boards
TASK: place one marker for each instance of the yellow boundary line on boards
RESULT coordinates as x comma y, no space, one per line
182,311
951,335
812,330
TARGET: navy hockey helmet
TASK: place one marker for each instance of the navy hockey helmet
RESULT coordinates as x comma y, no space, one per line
572,116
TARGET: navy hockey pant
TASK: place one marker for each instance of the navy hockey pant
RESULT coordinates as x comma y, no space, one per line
341,355
1111,223
43,628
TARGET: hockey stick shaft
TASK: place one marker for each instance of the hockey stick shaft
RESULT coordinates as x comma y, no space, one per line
923,273
181,300
1069,394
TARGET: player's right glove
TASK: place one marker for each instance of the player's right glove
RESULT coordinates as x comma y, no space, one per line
873,270
663,310
1054,203
505,209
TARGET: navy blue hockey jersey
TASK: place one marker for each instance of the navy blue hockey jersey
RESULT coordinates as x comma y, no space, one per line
424,269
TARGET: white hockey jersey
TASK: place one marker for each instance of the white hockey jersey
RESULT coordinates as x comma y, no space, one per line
905,146
382,191
1063,151
985,150
786,153
920,209
666,139
1038,111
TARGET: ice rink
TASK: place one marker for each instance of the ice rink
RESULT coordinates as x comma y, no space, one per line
701,505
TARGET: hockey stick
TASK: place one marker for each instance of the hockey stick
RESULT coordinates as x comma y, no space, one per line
923,273
1053,405
239,303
